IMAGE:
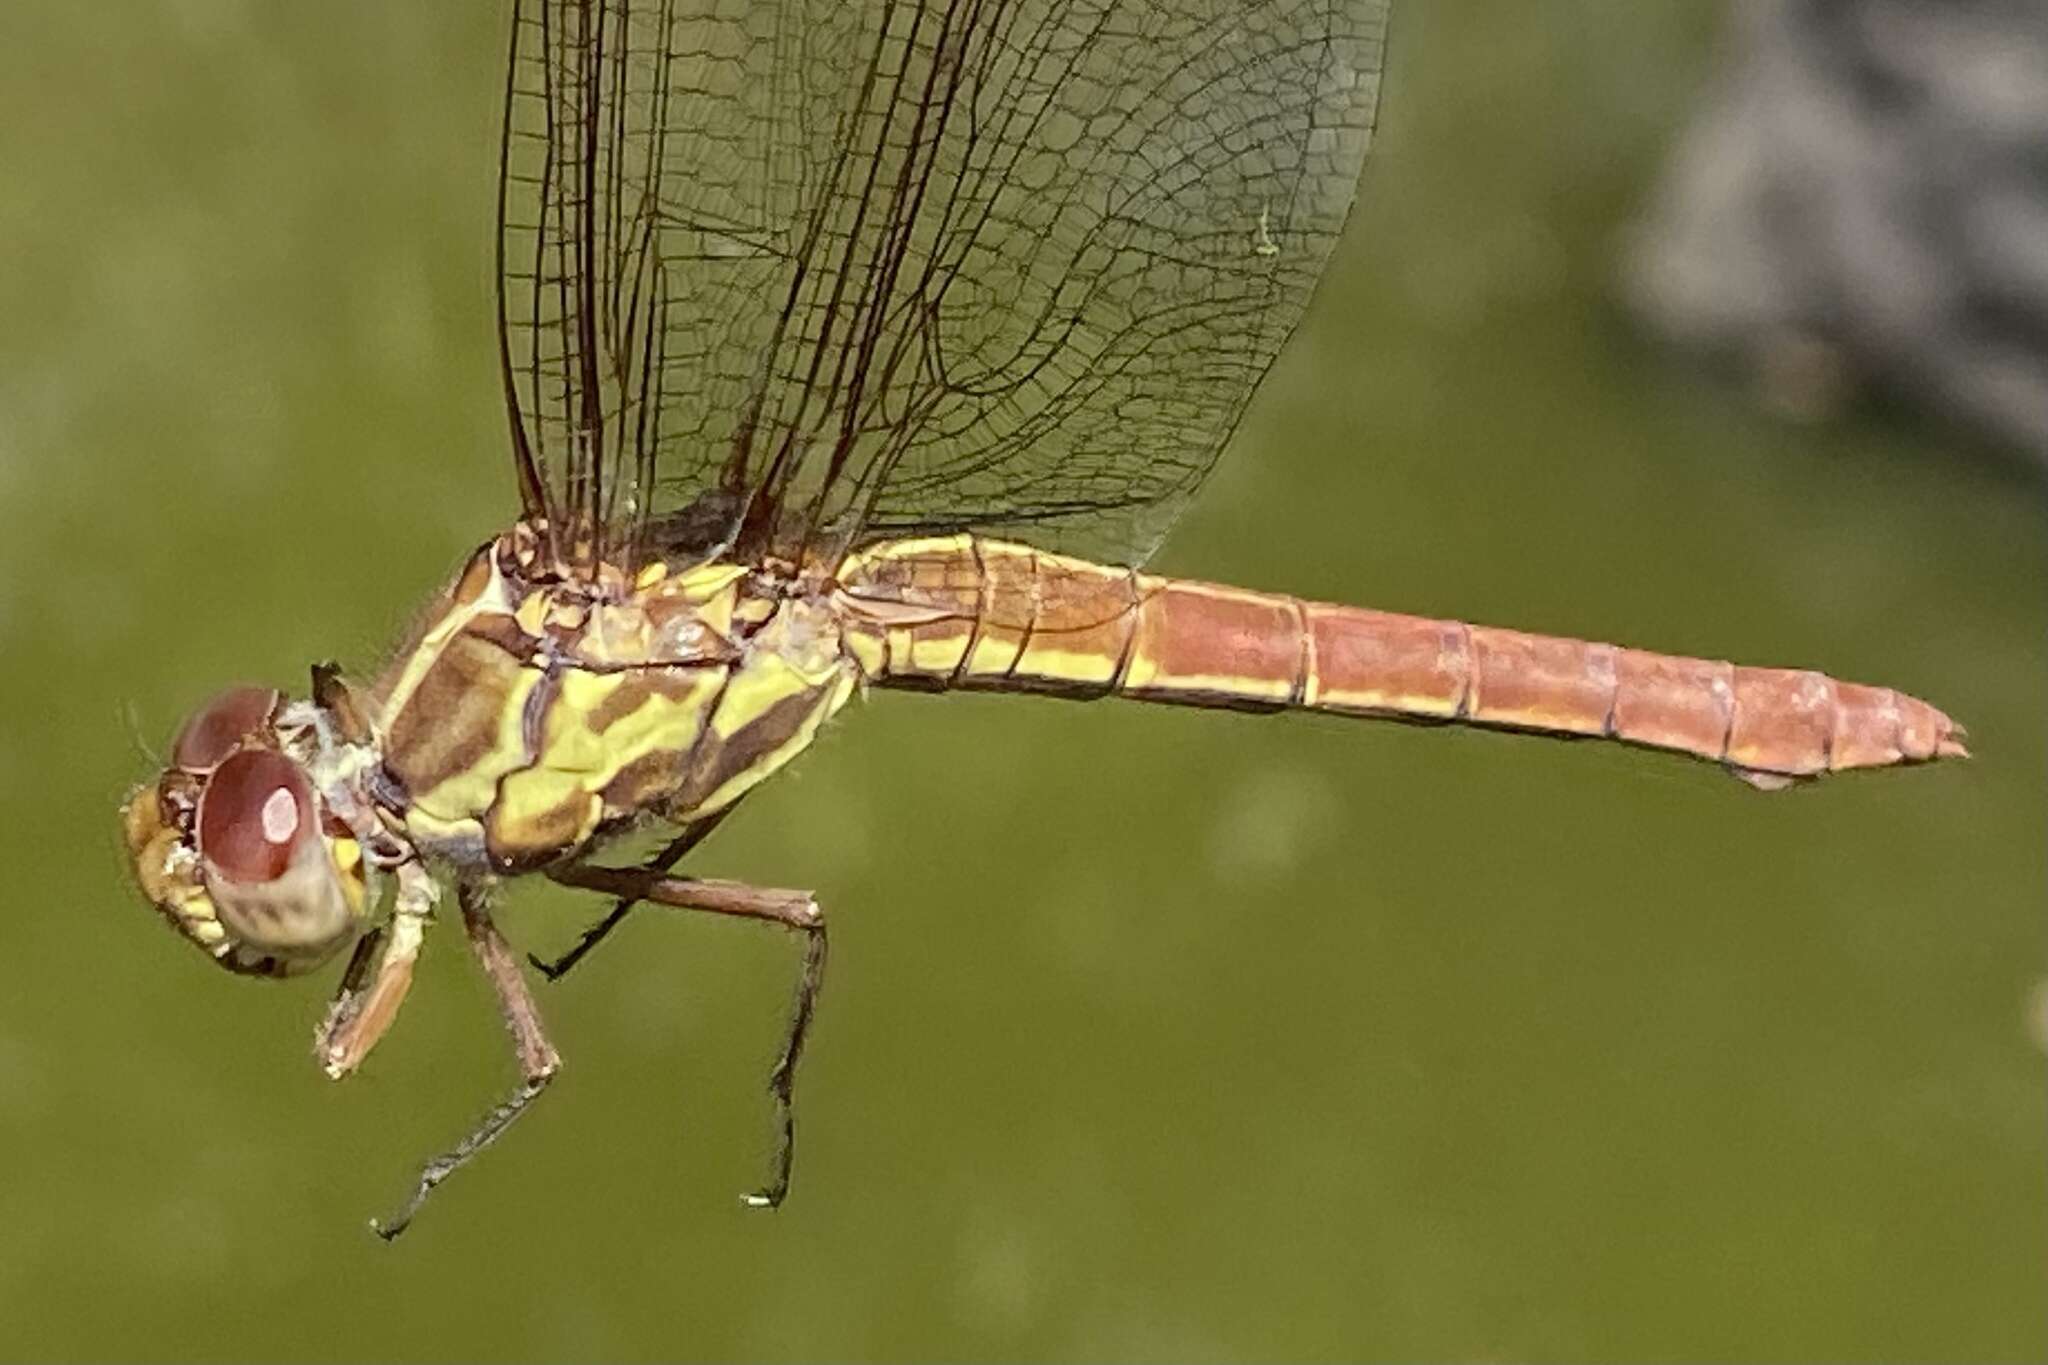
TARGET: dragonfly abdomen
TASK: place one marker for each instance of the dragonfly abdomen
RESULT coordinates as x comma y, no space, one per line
963,612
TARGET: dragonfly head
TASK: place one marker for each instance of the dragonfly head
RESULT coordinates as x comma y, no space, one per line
238,847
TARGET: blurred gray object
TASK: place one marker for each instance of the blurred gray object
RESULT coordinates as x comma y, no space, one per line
1862,202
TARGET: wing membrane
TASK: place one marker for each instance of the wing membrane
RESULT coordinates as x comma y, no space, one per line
783,275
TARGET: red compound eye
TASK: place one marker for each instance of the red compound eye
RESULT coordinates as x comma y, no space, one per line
217,727
255,810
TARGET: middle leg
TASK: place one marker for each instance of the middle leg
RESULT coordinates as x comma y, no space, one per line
692,835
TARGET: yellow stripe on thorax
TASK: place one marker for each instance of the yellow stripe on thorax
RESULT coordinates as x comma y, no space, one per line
796,674
594,727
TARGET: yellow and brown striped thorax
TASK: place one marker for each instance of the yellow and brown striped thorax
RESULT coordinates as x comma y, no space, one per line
537,708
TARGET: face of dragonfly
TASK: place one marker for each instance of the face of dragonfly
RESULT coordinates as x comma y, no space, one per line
235,846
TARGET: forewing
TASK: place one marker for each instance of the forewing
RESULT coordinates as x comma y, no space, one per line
582,284
787,275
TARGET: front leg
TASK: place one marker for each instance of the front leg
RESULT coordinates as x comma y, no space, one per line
538,1060
797,910
360,1014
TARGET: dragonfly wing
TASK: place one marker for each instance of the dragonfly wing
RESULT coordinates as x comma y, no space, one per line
782,274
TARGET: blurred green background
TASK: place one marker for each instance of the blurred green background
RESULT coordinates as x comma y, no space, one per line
1151,1034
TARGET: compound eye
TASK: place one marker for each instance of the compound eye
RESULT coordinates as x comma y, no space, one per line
218,727
256,810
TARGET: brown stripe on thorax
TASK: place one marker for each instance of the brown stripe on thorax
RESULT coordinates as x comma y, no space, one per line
466,710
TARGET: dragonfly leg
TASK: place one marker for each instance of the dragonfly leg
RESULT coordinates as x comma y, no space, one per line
538,1060
797,910
360,1013
348,996
692,835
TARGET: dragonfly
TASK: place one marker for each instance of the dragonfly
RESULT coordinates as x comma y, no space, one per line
849,346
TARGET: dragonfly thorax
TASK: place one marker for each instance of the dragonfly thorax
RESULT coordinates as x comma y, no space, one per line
544,706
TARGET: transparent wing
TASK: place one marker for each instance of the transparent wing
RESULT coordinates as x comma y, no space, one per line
783,275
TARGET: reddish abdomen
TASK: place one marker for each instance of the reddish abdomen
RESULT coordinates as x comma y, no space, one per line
964,612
